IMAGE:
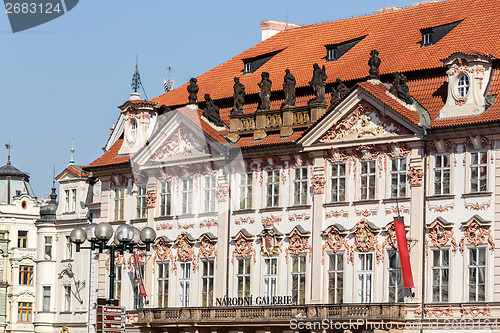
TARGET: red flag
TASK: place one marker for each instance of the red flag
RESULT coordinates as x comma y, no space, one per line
404,256
138,274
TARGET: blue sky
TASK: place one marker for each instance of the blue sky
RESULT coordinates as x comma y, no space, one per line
64,79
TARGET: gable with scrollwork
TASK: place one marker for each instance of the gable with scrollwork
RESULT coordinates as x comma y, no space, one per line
243,247
298,243
365,122
440,234
336,238
477,232
182,142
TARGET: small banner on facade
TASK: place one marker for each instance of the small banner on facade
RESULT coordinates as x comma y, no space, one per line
404,256
138,274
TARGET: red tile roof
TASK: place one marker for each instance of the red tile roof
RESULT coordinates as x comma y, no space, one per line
111,156
76,170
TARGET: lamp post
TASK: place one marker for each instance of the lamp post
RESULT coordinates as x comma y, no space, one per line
127,238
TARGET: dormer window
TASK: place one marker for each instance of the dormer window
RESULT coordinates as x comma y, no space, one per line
253,64
335,51
248,68
463,85
431,36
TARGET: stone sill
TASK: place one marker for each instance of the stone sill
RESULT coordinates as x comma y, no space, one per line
366,202
164,218
476,194
440,197
298,207
393,200
336,204
271,209
244,211
205,214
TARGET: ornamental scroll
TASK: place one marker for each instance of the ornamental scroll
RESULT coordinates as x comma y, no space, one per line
335,240
477,234
298,244
243,248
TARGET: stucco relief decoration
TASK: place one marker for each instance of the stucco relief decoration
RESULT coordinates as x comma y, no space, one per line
222,191
244,220
335,241
398,149
250,165
142,258
395,210
119,260
118,180
132,318
162,251
185,226
443,146
151,199
318,184
475,311
243,248
366,212
478,142
416,176
207,248
298,217
370,152
441,208
164,226
460,66
337,155
434,312
209,223
364,238
270,244
336,214
185,252
131,114
184,143
390,239
365,122
298,244
440,237
300,159
477,205
477,234
269,221
271,162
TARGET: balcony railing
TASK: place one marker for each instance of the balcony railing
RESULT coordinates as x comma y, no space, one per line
275,314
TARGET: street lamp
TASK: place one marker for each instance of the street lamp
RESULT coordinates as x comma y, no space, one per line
127,238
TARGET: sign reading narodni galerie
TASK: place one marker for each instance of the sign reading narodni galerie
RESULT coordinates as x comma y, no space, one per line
250,300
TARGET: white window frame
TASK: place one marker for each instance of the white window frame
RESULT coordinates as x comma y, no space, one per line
166,198
476,267
395,290
300,186
398,177
67,201
299,279
210,193
69,248
73,200
270,277
365,277
184,283
338,182
246,185
442,269
187,195
248,68
118,282
463,85
138,299
331,54
48,248
370,177
119,202
243,274
207,283
67,298
478,168
163,280
335,275
272,188
439,176
141,202
46,298
427,38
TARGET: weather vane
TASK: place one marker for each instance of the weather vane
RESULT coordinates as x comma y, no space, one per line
8,146
136,79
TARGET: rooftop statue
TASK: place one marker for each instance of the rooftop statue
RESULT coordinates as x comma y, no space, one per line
318,83
400,89
289,89
192,89
341,87
335,96
211,111
239,96
265,92
374,64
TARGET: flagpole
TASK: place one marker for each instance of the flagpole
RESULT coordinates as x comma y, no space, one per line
424,229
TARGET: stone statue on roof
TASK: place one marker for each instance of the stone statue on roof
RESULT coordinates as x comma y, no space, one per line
374,64
400,89
211,111
239,96
289,83
265,92
192,89
318,83
335,97
341,87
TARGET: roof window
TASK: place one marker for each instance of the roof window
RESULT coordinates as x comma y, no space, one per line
431,36
253,64
335,51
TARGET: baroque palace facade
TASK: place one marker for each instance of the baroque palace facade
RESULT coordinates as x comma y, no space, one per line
273,194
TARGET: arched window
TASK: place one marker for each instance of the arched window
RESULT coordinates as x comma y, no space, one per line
133,129
463,86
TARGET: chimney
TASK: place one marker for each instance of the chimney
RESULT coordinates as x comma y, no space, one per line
135,96
271,28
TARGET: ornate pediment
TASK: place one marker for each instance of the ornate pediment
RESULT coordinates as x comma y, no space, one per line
365,122
183,143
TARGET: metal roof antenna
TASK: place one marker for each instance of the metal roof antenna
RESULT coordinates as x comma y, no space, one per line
168,85
54,176
136,82
8,146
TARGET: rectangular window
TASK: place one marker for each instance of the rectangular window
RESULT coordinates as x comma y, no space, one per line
66,201
300,186
427,38
477,274
336,278
24,312
367,181
184,284
440,275
163,285
210,188
246,190
187,196
207,281
69,248
22,239
141,205
119,201
248,68
243,277
67,299
398,177
331,54
478,171
273,188
118,282
138,299
46,298
365,277
396,289
48,247
270,277
165,198
299,279
26,274
442,173
73,200
338,182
